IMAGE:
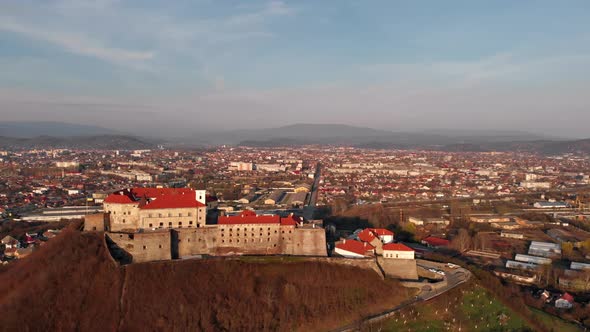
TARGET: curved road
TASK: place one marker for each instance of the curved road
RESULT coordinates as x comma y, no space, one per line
453,278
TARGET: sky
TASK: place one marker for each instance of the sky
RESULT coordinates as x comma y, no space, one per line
182,66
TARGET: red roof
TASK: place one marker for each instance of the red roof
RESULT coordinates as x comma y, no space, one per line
250,217
367,235
382,231
291,220
357,247
567,297
397,247
119,198
174,201
436,241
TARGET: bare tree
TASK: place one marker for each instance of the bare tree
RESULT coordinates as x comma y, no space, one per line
463,240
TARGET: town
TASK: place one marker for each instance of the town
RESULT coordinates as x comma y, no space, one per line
416,216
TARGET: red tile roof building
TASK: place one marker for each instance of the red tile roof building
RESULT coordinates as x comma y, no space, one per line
354,249
148,208
397,250
435,242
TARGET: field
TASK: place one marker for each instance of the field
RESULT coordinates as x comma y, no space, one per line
468,308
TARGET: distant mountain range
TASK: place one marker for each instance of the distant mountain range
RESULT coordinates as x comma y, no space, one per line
100,142
299,134
30,129
26,135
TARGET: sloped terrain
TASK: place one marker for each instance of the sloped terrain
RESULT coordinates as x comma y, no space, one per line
73,284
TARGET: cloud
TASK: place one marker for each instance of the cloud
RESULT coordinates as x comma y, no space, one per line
106,29
78,44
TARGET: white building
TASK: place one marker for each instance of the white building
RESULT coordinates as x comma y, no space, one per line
354,249
398,251
416,221
239,166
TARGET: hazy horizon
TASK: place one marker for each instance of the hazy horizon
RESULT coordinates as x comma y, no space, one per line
140,66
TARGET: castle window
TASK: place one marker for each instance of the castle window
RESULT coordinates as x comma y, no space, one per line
160,215
169,214
160,246
123,220
144,247
151,225
180,214
275,231
229,240
289,232
238,240
161,224
268,233
190,222
149,215
246,240
200,217
222,234
170,224
180,224
283,232
268,240
269,228
222,241
275,245
198,225
190,214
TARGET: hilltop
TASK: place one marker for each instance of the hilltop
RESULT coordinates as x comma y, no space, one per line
73,284
100,142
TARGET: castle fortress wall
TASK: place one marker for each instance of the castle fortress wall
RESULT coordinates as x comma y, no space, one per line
95,222
222,240
122,216
172,224
172,218
145,246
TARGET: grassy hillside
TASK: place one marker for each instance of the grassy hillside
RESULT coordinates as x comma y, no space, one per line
71,284
468,308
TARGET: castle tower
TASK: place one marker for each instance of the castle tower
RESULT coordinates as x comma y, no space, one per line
201,196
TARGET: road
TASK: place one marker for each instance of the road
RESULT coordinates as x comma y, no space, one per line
309,208
453,278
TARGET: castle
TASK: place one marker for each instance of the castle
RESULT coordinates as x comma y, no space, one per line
168,223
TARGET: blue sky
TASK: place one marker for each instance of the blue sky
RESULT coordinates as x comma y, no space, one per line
212,64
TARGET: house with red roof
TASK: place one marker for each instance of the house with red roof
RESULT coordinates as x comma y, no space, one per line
435,242
385,235
354,249
397,251
566,301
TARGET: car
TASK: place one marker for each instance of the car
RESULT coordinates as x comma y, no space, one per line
432,270
452,266
442,273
